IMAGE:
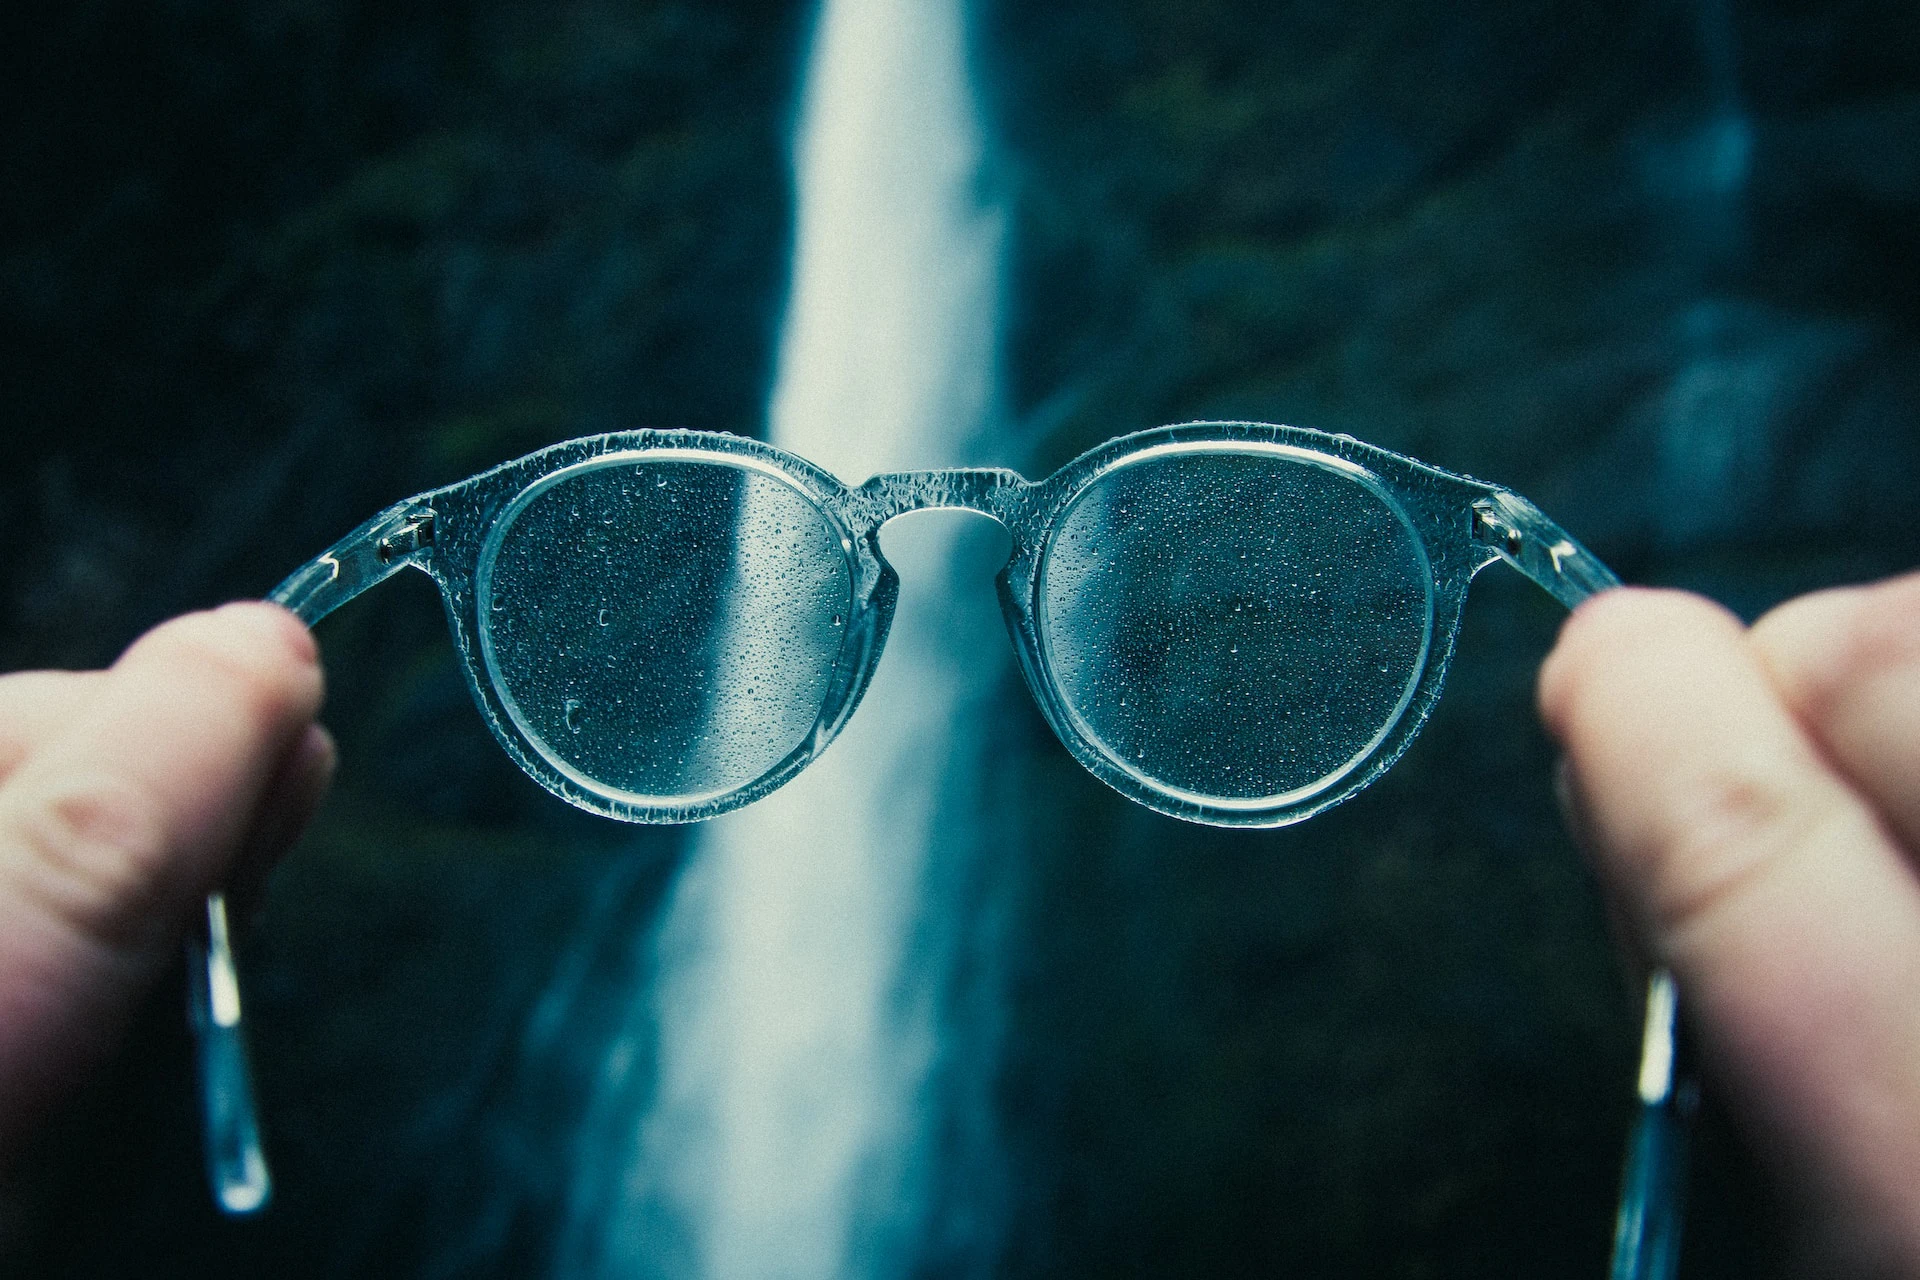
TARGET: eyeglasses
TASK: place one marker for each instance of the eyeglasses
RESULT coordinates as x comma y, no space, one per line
1232,623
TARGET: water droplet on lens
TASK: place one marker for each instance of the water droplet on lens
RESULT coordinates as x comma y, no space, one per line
499,603
575,714
602,617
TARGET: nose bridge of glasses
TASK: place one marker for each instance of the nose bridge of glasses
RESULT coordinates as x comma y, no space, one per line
990,491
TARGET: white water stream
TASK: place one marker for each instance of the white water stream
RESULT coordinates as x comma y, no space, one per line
797,1008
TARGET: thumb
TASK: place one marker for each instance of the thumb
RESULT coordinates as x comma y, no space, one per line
117,821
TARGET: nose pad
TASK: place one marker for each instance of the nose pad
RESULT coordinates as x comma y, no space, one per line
947,559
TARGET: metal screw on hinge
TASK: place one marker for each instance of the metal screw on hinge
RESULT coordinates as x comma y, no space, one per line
416,533
1490,526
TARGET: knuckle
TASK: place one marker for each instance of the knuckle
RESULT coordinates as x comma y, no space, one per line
1739,832
94,854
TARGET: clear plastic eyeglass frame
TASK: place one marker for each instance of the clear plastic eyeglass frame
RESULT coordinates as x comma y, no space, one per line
1232,623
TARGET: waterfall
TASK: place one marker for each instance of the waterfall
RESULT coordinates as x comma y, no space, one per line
796,1010
1700,165
1703,163
1726,138
1715,422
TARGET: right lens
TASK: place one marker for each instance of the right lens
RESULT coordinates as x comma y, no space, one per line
664,627
1235,624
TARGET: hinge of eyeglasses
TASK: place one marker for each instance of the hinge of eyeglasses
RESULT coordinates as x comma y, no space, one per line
414,532
1493,529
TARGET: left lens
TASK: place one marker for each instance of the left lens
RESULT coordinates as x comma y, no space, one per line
1237,626
664,628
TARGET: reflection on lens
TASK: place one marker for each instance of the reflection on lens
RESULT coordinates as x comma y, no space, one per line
1240,625
666,628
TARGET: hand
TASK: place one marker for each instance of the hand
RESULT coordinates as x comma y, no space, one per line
125,795
1752,799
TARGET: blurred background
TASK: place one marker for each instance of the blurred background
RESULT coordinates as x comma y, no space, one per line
267,267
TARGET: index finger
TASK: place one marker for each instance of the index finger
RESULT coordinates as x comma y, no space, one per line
1847,662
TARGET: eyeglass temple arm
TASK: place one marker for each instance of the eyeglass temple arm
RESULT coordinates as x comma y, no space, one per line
230,1121
1647,1225
1646,1237
397,537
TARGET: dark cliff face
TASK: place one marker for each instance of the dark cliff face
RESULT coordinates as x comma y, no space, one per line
269,265
266,268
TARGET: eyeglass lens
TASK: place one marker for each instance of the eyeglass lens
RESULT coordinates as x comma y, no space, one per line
1239,627
664,629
